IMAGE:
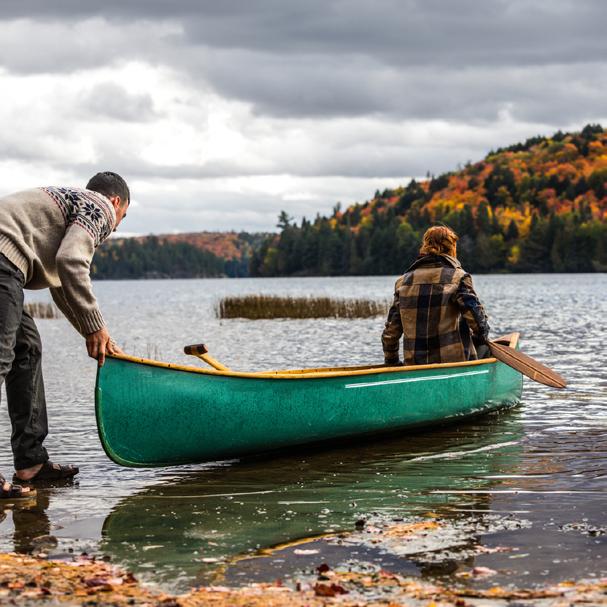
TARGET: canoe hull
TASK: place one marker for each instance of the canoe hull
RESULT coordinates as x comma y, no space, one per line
154,415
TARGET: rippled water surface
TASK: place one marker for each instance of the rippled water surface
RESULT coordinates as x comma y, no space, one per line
523,492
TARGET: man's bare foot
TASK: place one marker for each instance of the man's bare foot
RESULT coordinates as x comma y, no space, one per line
27,474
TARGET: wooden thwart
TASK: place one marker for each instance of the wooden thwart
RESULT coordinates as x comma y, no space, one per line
526,365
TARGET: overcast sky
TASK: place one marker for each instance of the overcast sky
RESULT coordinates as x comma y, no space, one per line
220,113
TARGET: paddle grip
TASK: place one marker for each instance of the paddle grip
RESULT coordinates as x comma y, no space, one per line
196,349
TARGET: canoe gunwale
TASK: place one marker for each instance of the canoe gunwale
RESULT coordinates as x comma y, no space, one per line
291,374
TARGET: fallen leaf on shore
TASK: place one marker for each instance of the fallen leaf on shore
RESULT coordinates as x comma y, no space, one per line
323,568
476,572
329,590
15,585
95,582
408,529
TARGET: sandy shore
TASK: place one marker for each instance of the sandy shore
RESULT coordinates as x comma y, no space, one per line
83,581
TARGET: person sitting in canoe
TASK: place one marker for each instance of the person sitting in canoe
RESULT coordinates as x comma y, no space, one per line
435,308
47,240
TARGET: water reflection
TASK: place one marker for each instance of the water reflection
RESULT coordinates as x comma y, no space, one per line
182,528
31,524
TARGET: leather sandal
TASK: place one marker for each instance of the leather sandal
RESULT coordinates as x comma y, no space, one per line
15,492
53,472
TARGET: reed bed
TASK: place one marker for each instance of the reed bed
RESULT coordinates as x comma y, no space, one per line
39,309
256,307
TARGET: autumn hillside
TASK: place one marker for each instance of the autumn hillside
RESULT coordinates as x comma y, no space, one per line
187,255
227,245
537,206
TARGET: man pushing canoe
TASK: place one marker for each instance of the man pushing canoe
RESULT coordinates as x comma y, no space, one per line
436,308
47,240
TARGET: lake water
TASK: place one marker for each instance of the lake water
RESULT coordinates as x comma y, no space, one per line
523,492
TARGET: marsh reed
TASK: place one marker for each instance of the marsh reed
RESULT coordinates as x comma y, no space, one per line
38,309
257,307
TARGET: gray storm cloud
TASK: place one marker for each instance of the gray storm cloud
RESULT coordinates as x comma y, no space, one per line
402,31
433,59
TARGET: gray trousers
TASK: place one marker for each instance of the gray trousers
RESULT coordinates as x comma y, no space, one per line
21,369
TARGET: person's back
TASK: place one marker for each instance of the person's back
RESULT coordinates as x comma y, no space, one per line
435,307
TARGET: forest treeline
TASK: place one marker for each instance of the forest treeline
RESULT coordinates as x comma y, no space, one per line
151,257
537,206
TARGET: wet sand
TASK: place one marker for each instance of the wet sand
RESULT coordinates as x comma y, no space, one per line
86,580
33,581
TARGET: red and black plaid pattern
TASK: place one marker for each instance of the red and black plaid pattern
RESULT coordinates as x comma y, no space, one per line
437,311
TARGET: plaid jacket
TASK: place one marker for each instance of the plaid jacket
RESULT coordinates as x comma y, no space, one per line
437,310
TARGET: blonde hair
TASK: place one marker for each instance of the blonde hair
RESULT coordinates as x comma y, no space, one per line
439,240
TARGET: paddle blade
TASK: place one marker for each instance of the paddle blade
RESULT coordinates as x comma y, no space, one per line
526,365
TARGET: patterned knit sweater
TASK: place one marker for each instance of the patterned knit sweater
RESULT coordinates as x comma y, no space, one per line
50,234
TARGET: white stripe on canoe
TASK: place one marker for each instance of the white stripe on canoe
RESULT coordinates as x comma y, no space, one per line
412,379
506,491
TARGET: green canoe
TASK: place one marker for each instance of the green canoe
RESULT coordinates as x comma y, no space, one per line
151,413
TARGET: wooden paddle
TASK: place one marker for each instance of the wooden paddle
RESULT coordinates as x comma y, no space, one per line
202,352
526,365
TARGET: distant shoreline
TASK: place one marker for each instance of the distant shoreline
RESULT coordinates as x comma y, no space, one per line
145,278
